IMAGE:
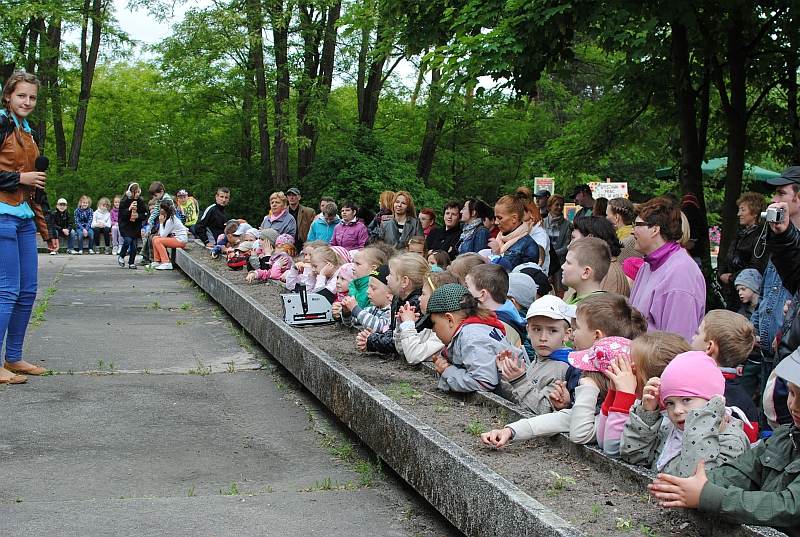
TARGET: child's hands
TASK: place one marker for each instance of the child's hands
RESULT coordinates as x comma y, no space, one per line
301,266
497,437
336,310
510,366
361,340
621,374
672,491
349,303
440,363
251,276
560,397
328,270
651,394
407,312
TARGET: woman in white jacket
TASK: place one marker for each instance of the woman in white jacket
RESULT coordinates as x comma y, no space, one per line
171,234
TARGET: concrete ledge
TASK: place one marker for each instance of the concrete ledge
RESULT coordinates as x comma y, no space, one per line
474,498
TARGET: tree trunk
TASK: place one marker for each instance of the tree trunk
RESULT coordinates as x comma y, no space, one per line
255,24
37,29
433,128
735,109
423,68
280,36
363,52
372,90
93,11
692,140
246,147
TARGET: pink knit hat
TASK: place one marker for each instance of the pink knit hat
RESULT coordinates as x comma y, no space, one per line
692,374
284,238
342,253
602,354
347,271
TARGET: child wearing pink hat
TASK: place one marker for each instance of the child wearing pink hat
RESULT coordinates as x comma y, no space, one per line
696,425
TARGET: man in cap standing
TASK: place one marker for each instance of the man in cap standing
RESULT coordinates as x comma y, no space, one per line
542,197
303,215
583,198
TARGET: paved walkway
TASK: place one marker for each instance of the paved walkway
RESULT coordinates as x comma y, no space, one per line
163,419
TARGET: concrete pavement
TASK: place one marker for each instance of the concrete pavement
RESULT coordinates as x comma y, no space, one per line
164,419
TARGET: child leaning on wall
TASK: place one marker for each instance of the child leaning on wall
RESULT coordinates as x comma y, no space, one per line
761,486
376,316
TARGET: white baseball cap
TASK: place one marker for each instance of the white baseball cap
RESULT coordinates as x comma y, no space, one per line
550,306
61,200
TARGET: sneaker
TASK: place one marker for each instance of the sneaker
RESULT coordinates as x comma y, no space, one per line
53,253
120,261
164,266
91,252
110,251
78,252
70,251
132,267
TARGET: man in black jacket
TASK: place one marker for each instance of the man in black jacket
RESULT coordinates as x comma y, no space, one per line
446,238
212,221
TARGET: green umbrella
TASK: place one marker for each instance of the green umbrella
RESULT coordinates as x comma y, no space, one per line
714,166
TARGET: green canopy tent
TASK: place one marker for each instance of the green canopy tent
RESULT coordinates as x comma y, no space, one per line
715,166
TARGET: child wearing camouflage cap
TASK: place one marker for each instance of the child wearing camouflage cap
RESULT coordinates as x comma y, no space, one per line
472,335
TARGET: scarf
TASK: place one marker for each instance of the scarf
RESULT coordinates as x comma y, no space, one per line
659,257
469,230
506,241
25,125
273,217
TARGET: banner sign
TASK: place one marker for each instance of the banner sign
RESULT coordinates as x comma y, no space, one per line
609,190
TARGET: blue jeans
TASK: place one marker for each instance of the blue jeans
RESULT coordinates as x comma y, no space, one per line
128,245
18,279
79,238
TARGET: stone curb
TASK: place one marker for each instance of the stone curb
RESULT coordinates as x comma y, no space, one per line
474,498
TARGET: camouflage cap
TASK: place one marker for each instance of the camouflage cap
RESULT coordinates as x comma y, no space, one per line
448,297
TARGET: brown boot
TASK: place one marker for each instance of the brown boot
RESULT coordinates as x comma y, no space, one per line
23,367
7,377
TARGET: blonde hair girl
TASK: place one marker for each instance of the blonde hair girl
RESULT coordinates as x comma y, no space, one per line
366,261
101,225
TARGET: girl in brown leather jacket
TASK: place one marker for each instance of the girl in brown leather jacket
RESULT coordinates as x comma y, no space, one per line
20,206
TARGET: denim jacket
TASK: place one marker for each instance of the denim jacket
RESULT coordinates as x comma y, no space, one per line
525,250
768,317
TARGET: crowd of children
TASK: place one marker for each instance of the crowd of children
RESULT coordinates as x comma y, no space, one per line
551,330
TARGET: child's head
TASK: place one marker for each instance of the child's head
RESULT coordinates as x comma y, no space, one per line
103,204
548,324
748,286
287,248
284,238
378,291
587,262
167,209
789,370
406,273
606,315
725,336
84,202
156,189
448,306
330,212
598,358
368,260
133,191
652,351
488,283
438,258
325,261
309,247
688,382
522,290
61,204
230,229
464,263
344,277
433,281
416,244
117,199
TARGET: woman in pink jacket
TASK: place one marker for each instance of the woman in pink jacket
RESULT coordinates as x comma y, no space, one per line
350,233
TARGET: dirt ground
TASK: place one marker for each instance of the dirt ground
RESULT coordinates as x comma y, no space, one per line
586,495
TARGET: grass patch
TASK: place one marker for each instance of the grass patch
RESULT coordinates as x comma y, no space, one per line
328,484
560,484
37,315
186,306
475,428
232,491
403,390
154,305
202,370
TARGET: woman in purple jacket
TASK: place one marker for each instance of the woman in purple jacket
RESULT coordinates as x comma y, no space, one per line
350,233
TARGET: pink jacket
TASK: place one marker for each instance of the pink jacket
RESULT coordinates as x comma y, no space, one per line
351,235
613,416
276,270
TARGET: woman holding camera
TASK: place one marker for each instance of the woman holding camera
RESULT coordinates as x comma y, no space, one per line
21,215
133,212
740,252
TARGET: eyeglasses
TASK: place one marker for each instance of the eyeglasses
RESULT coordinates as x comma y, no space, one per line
643,224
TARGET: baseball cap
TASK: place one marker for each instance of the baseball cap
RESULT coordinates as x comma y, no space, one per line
522,288
601,355
447,298
549,306
581,188
381,274
542,193
60,201
242,229
789,176
294,190
789,368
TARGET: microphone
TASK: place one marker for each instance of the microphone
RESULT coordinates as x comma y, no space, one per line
40,165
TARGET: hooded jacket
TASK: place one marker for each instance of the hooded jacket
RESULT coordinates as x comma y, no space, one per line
352,235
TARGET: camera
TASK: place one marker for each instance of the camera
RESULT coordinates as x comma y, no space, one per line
773,215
